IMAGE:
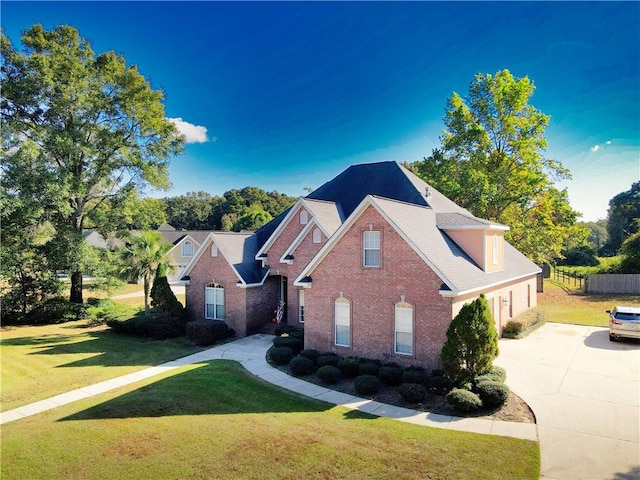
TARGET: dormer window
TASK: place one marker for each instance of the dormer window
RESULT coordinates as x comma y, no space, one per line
371,249
494,249
304,217
187,249
214,250
316,236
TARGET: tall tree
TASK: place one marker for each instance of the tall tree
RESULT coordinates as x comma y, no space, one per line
623,215
142,256
90,127
491,161
190,211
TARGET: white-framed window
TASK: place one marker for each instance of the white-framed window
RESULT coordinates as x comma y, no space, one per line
301,305
316,235
342,320
371,249
214,302
214,250
187,249
494,249
403,328
304,217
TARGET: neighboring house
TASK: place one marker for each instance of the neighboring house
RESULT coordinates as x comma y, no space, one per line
185,245
374,263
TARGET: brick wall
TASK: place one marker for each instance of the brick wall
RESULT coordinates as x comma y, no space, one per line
261,303
208,270
373,293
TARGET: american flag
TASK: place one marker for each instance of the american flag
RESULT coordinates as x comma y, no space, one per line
280,311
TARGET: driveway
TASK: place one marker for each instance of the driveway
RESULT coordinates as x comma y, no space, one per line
585,393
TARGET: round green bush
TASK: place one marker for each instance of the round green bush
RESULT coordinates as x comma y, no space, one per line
367,384
329,374
493,394
412,392
415,376
390,375
327,359
500,372
295,344
463,400
496,374
281,355
369,368
300,366
350,367
310,353
439,385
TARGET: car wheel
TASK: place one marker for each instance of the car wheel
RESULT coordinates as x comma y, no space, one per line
612,338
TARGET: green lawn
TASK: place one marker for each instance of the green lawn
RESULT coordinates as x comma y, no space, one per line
214,420
565,303
41,361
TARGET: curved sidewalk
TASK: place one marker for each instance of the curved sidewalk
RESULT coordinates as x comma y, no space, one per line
251,353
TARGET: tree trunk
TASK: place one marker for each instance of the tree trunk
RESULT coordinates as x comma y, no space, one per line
75,296
147,309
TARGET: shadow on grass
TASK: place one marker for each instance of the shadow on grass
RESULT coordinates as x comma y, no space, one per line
108,348
220,387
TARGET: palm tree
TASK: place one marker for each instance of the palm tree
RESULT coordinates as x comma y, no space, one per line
141,257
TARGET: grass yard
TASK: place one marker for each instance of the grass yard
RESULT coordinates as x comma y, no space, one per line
41,361
215,421
564,303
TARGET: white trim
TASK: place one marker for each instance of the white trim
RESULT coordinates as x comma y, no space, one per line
203,247
492,226
253,285
450,293
369,200
300,237
183,239
283,224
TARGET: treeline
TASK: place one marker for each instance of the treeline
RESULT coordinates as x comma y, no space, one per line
245,209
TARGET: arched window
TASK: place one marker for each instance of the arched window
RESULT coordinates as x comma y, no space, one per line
214,250
342,319
317,235
403,328
304,217
214,302
187,249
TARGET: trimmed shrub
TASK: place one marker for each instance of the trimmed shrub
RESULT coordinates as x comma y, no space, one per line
300,366
463,400
390,375
513,327
492,394
329,374
439,385
290,330
55,310
499,372
311,354
415,376
369,368
295,344
350,367
281,355
392,364
472,343
207,332
412,392
367,384
437,372
327,359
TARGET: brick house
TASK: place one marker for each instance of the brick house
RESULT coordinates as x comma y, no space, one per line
374,263
185,243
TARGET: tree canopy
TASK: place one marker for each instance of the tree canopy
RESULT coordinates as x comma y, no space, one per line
81,132
492,161
623,216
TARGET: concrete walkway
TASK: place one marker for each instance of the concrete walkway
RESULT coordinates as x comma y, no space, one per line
585,393
251,352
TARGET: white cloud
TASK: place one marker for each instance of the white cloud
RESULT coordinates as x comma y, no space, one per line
595,148
608,142
192,133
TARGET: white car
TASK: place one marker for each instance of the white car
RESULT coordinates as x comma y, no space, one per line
624,322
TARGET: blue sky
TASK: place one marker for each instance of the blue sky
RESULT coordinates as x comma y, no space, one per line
289,94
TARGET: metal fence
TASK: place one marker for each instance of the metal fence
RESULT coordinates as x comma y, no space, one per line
613,283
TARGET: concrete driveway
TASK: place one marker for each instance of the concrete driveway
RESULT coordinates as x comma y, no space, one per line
585,393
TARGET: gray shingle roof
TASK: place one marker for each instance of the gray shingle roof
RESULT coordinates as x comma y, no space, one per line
328,214
454,266
174,236
240,249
